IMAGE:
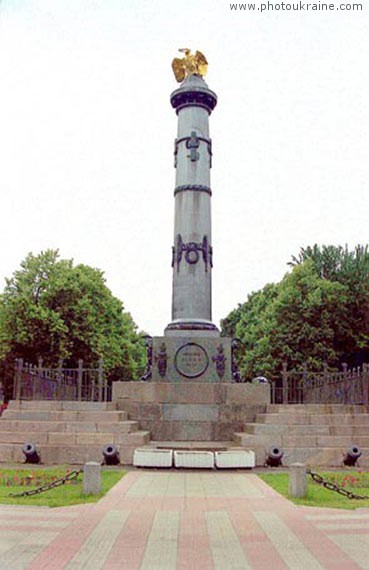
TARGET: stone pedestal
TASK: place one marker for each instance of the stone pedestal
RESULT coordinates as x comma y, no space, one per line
298,480
191,411
92,478
191,359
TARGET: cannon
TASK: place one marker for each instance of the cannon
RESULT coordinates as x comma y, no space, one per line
352,455
111,454
274,457
30,452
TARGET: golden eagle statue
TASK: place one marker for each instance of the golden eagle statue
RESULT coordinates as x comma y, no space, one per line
189,65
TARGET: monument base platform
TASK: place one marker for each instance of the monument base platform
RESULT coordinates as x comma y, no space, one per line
191,411
191,359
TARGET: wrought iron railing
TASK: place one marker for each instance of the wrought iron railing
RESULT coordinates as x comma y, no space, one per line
348,386
36,382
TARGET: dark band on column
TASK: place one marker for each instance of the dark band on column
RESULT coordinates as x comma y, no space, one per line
192,188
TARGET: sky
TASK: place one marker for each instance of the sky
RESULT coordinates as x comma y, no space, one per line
87,131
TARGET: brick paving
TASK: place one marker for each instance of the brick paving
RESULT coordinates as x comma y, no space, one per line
180,520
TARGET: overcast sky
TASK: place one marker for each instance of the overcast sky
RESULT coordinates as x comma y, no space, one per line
87,130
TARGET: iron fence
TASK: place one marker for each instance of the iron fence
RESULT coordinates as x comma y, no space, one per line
348,386
36,382
290,392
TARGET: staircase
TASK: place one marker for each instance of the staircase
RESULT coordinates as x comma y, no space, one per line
75,432
67,432
316,434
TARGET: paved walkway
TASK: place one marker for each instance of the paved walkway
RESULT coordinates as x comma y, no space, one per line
187,521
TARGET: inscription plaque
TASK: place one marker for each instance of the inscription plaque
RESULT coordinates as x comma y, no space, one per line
191,360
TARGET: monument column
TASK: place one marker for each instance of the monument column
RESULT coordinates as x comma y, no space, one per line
191,349
192,250
185,394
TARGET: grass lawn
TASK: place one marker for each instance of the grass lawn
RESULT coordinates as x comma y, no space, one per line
24,479
318,496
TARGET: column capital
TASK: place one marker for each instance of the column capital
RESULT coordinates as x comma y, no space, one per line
193,92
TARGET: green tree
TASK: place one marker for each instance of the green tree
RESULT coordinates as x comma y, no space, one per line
318,313
351,269
251,322
53,309
308,316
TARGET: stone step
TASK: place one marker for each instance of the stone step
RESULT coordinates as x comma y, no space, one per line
348,430
244,440
193,445
65,415
341,419
68,432
316,458
301,429
317,434
340,441
72,438
57,405
297,441
321,457
275,429
313,419
125,426
137,438
284,419
316,408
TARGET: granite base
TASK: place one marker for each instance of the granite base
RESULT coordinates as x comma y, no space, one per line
191,411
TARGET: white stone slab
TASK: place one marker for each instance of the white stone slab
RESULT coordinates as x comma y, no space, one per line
194,459
153,457
234,459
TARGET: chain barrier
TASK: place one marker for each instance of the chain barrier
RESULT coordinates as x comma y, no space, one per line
333,487
57,483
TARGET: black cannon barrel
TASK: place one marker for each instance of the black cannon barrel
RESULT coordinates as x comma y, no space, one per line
274,456
30,452
111,454
352,455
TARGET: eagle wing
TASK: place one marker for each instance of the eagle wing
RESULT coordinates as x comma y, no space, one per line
201,62
179,69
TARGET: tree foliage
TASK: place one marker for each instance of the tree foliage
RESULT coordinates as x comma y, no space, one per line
319,312
350,268
55,310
